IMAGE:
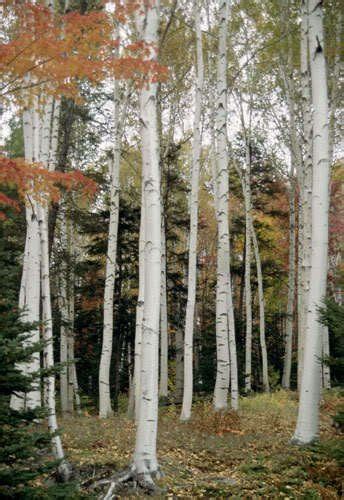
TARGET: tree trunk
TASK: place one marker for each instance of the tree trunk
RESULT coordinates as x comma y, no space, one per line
145,460
305,190
139,309
223,271
48,352
179,340
264,353
163,389
192,269
29,296
248,292
291,291
308,416
64,317
105,409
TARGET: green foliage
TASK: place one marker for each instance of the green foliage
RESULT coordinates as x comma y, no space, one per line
23,444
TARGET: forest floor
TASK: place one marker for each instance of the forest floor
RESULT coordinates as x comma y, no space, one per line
247,455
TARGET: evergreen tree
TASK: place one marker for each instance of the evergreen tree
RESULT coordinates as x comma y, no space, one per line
24,443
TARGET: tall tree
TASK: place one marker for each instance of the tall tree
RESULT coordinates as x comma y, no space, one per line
192,269
163,386
225,333
105,409
145,460
308,416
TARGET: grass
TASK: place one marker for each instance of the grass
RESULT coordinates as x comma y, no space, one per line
244,455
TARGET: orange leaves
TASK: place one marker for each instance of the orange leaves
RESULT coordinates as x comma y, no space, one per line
34,181
57,51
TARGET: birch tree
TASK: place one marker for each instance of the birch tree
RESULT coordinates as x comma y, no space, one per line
305,188
192,268
163,387
261,301
291,289
248,292
139,308
40,121
105,409
296,166
308,415
225,334
246,187
29,295
222,339
145,462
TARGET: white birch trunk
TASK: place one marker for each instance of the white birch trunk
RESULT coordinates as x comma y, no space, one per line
45,125
29,295
105,409
296,165
163,388
48,352
145,460
291,290
232,349
63,306
139,309
248,292
266,384
192,269
307,427
225,334
305,208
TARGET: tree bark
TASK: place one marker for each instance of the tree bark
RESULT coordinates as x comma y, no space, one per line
262,339
139,309
192,269
307,427
145,460
163,389
248,292
305,190
291,290
223,271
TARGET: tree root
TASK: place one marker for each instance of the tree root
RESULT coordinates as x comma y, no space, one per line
144,481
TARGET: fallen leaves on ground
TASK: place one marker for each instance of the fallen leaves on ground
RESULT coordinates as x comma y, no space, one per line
243,455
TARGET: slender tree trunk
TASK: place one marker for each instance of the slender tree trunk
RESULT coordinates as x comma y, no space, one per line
76,390
62,300
48,353
335,94
305,193
179,340
139,309
192,269
291,290
29,295
248,292
163,389
145,460
307,427
263,348
223,272
105,409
